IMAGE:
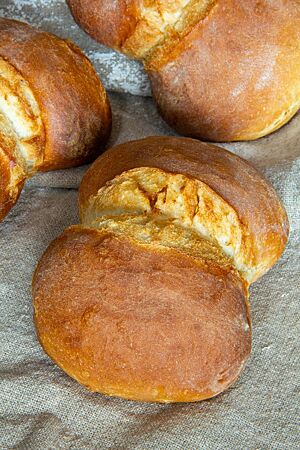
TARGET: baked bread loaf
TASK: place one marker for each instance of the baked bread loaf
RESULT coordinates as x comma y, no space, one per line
147,299
221,70
54,112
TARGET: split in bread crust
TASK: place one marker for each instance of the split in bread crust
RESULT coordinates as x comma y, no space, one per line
22,129
220,70
202,186
139,28
12,179
54,112
147,299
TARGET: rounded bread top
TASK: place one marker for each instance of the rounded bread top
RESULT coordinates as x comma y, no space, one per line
260,216
72,102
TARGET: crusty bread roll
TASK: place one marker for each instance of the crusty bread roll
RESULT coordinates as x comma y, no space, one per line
54,112
224,70
147,299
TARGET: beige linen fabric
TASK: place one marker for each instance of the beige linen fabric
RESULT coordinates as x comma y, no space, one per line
42,408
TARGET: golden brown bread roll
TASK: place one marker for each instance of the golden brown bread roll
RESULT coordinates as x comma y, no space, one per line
147,299
221,70
54,112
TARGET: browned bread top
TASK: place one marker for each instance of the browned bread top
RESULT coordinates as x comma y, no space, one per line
141,323
138,27
256,226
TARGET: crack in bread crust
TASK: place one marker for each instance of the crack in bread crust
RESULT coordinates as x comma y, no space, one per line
21,126
157,230
12,179
187,202
21,134
161,23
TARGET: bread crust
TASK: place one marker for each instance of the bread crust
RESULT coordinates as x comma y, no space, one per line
236,76
12,179
224,70
74,106
140,323
108,22
54,111
232,178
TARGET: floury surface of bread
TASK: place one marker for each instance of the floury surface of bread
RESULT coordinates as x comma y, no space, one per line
221,70
139,302
54,112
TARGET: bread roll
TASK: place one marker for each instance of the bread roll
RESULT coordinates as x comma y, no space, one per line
147,299
54,112
224,70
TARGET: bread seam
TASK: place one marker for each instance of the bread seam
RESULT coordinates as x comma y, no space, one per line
247,270
17,177
11,118
170,31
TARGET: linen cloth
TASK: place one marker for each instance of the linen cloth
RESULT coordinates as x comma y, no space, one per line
42,408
